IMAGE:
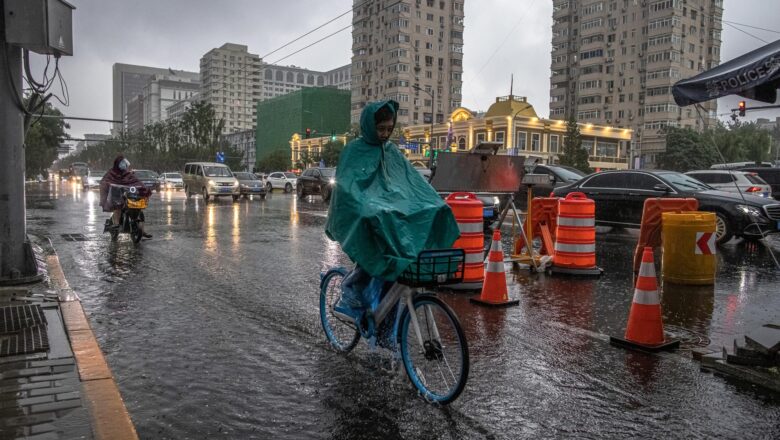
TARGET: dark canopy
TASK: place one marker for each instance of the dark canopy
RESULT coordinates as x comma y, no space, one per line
755,75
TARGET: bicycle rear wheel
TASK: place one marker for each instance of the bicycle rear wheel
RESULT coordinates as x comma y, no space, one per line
439,368
341,333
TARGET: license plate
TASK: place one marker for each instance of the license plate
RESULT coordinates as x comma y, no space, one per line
488,212
225,190
766,195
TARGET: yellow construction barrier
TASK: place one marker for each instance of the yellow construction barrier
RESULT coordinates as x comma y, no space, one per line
689,248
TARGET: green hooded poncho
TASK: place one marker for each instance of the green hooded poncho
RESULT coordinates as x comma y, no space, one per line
382,211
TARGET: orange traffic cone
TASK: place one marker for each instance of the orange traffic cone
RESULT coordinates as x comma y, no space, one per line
645,329
494,292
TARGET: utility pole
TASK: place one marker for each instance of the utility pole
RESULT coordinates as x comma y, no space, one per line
16,259
41,26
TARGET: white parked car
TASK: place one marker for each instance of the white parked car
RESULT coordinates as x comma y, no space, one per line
172,181
723,180
281,180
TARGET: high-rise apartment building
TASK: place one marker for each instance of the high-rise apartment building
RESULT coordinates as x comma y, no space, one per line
410,51
234,81
230,79
614,62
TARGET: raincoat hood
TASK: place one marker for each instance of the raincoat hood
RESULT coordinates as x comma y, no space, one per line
368,124
382,211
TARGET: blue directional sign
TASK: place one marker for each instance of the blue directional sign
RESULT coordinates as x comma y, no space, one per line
221,156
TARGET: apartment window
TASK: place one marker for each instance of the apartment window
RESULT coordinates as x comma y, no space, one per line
590,24
592,54
429,31
592,9
536,144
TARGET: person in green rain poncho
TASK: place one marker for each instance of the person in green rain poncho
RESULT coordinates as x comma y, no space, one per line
382,211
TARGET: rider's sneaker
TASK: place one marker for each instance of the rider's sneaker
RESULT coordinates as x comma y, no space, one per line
349,303
147,235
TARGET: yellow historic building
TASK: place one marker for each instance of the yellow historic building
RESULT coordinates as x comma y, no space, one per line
512,121
300,148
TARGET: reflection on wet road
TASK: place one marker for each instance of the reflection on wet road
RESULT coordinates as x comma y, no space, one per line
212,330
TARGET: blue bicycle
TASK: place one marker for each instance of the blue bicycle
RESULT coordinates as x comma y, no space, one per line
423,330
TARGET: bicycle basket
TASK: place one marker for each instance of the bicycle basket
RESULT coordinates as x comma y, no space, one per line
435,267
137,204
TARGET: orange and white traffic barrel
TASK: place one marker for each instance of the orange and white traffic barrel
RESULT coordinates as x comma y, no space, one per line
467,209
575,237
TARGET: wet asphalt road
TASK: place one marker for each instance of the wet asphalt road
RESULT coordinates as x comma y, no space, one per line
212,331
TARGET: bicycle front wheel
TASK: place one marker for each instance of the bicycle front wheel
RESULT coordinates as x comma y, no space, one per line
342,334
438,366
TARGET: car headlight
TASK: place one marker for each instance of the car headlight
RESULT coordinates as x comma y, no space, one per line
235,183
496,200
749,210
212,183
332,181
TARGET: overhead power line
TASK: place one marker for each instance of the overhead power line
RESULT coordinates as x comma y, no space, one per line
752,27
317,28
748,33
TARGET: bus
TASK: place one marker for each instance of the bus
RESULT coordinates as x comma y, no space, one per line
77,171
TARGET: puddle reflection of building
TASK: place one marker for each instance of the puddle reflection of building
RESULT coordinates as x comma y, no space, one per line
210,244
92,206
687,306
236,231
562,300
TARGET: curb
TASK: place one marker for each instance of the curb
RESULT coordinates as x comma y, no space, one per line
109,416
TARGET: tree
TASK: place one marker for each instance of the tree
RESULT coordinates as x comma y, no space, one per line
573,153
686,150
42,139
331,153
274,161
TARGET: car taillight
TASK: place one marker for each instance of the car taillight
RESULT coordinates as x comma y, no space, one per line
753,189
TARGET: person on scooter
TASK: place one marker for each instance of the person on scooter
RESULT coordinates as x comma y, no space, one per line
382,211
120,174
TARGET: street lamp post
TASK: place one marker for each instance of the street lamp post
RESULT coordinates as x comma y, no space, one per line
433,106
514,132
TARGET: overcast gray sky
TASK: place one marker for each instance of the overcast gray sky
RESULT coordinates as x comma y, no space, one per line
502,37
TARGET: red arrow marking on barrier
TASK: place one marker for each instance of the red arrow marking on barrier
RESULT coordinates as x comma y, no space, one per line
703,243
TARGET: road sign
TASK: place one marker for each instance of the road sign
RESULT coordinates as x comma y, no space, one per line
705,243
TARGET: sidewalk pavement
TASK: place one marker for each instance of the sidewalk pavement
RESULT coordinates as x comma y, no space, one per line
54,381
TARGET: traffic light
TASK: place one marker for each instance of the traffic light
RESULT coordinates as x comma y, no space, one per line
742,108
308,133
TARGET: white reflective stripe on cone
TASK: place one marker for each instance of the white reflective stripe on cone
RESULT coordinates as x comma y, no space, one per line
647,270
495,266
578,222
495,246
575,248
470,228
474,258
646,297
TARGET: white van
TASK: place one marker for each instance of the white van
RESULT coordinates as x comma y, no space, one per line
210,179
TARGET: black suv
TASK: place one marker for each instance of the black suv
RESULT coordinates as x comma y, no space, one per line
316,181
620,198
